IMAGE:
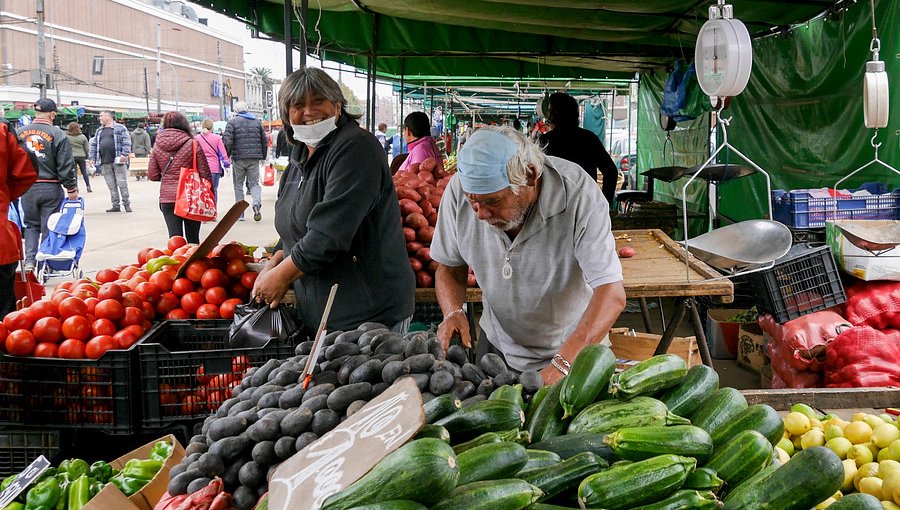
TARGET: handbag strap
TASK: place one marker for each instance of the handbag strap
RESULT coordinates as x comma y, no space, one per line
194,147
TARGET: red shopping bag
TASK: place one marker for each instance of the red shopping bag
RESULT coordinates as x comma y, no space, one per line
194,199
268,175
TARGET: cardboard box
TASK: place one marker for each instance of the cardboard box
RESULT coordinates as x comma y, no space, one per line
861,263
632,347
110,498
752,347
722,336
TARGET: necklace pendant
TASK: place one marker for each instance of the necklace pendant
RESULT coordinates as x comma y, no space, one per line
506,271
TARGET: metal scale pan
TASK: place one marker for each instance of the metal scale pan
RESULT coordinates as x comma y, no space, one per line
874,236
666,173
720,172
742,245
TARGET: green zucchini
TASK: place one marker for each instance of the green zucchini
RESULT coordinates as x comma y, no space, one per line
685,398
635,484
704,479
440,406
718,409
611,415
589,375
535,401
759,417
510,393
491,462
545,506
435,431
515,436
483,439
556,479
639,443
648,376
811,477
491,495
481,417
538,459
684,500
743,455
750,483
569,445
423,470
857,501
547,420
397,504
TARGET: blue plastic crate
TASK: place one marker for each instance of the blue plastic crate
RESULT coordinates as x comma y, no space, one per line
798,209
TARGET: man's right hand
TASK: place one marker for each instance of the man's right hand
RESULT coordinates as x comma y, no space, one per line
457,325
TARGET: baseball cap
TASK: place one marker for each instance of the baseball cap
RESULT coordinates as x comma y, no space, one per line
482,162
45,105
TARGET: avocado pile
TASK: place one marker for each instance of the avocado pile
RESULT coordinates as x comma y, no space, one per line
270,417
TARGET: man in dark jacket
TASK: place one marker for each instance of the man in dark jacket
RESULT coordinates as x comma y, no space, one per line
56,171
246,143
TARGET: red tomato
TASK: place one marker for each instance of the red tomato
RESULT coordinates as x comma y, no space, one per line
102,327
131,298
148,292
143,256
208,311
3,334
109,291
91,304
107,275
180,252
85,290
132,315
149,312
248,279
216,295
59,297
128,272
76,327
235,268
231,251
195,270
226,310
20,342
71,348
71,307
153,253
177,313
134,282
192,404
191,302
43,308
47,329
138,330
163,279
46,350
240,364
182,286
98,345
109,309
213,278
64,286
176,242
125,338
168,301
18,320
239,291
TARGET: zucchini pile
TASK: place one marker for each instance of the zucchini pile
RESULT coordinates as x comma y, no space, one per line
658,436
270,416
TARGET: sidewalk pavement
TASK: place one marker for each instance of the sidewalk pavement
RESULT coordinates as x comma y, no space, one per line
113,239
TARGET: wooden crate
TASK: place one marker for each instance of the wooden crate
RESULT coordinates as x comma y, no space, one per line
631,347
137,167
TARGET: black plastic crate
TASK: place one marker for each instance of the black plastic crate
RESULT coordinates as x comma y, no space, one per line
19,447
805,280
70,393
428,313
188,370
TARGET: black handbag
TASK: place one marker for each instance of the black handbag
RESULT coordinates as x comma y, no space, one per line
255,325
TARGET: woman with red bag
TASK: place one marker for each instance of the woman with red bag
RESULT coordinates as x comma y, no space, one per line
176,148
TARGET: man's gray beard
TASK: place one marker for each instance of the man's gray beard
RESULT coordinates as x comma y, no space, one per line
513,223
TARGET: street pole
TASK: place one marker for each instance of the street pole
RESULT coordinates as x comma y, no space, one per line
158,71
146,94
42,52
221,84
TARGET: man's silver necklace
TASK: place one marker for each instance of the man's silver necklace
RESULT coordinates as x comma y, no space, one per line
507,271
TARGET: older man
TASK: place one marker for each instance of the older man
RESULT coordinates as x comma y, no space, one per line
109,151
536,231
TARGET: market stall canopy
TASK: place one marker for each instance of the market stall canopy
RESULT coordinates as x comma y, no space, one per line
511,38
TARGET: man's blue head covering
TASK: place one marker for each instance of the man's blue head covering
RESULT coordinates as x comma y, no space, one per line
482,162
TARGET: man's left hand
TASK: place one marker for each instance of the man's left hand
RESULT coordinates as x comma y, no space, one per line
551,375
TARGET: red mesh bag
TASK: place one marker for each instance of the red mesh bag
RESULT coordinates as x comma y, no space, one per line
784,375
211,497
863,357
802,341
875,304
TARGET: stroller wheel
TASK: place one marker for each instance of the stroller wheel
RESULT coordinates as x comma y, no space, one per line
78,274
42,275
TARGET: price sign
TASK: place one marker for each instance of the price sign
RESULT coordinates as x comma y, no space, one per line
23,480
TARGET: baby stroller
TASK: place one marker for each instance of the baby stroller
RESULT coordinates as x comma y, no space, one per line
60,251
27,288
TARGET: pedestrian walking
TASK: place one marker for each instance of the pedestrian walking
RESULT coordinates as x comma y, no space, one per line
246,142
109,150
80,148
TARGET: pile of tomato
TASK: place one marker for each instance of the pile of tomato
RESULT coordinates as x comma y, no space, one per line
86,318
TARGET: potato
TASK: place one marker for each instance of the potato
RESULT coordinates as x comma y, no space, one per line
413,168
428,164
435,200
442,184
414,182
426,190
426,176
408,207
426,207
424,280
415,264
409,234
626,252
416,220
425,234
424,254
407,192
432,219
414,246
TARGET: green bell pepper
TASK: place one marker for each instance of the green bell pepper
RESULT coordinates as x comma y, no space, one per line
64,485
79,493
6,481
101,471
161,451
128,485
75,468
43,496
96,487
15,505
144,469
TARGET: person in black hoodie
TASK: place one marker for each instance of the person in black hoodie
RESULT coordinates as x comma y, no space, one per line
337,215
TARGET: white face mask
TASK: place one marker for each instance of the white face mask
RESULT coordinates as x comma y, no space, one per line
313,134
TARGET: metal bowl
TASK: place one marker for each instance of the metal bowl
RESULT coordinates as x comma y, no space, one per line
743,244
666,173
720,172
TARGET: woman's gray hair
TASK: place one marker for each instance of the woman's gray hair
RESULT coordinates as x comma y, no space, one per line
305,82
527,152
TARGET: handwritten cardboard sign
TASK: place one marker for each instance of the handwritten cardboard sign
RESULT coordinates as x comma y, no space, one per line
31,473
349,451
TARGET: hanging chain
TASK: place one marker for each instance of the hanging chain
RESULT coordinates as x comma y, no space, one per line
875,45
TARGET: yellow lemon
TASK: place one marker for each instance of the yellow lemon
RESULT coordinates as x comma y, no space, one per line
885,434
886,467
839,445
850,471
825,504
890,505
889,484
870,485
788,446
815,437
861,455
833,431
797,423
857,417
873,420
783,456
858,432
886,417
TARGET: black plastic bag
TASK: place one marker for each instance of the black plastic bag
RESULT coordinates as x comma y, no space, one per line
256,324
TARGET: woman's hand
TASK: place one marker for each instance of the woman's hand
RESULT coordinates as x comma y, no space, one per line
274,280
